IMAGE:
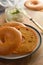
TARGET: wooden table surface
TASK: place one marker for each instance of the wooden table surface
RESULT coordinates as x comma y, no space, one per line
35,59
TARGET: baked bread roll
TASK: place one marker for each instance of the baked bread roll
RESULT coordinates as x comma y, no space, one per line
10,38
29,41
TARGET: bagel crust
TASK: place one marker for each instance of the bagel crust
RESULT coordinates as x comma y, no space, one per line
34,5
10,38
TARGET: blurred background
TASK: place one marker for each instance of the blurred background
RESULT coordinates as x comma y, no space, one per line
36,15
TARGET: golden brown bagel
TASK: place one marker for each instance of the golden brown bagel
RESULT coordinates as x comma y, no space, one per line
10,38
34,5
29,41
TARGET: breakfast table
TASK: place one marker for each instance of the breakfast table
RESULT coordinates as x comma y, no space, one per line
37,57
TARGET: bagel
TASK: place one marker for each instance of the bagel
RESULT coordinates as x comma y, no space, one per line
29,41
10,38
34,5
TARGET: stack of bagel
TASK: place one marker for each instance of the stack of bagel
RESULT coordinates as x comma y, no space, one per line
16,38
